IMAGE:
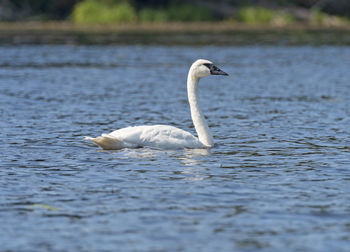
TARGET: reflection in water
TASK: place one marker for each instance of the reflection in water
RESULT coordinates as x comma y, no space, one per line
194,173
194,157
190,159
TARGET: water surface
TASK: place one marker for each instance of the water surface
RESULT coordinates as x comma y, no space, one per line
277,179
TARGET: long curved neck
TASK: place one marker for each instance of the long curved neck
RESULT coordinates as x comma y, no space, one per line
198,119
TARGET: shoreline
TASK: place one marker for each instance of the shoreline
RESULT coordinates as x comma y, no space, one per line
216,33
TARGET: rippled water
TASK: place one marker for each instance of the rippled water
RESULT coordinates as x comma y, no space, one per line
277,180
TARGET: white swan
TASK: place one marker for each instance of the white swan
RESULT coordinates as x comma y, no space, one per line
164,136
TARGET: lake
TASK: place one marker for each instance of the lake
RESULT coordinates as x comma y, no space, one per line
278,178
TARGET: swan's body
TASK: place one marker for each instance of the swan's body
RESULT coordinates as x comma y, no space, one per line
164,136
157,136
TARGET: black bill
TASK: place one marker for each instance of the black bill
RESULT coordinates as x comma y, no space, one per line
214,70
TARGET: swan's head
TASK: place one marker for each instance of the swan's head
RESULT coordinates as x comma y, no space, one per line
201,68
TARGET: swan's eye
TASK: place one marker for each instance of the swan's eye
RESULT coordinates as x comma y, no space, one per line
208,65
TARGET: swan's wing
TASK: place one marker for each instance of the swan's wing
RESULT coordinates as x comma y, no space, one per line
160,136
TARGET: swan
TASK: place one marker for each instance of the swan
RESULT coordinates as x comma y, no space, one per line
165,136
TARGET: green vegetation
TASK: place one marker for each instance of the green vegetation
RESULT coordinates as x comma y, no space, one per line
255,15
153,15
244,12
259,15
122,11
318,17
99,12
188,12
102,12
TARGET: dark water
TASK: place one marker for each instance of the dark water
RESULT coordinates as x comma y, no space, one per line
278,179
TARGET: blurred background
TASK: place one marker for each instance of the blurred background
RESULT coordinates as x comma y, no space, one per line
221,22
277,12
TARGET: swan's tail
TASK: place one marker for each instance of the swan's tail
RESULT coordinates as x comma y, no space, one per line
107,142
